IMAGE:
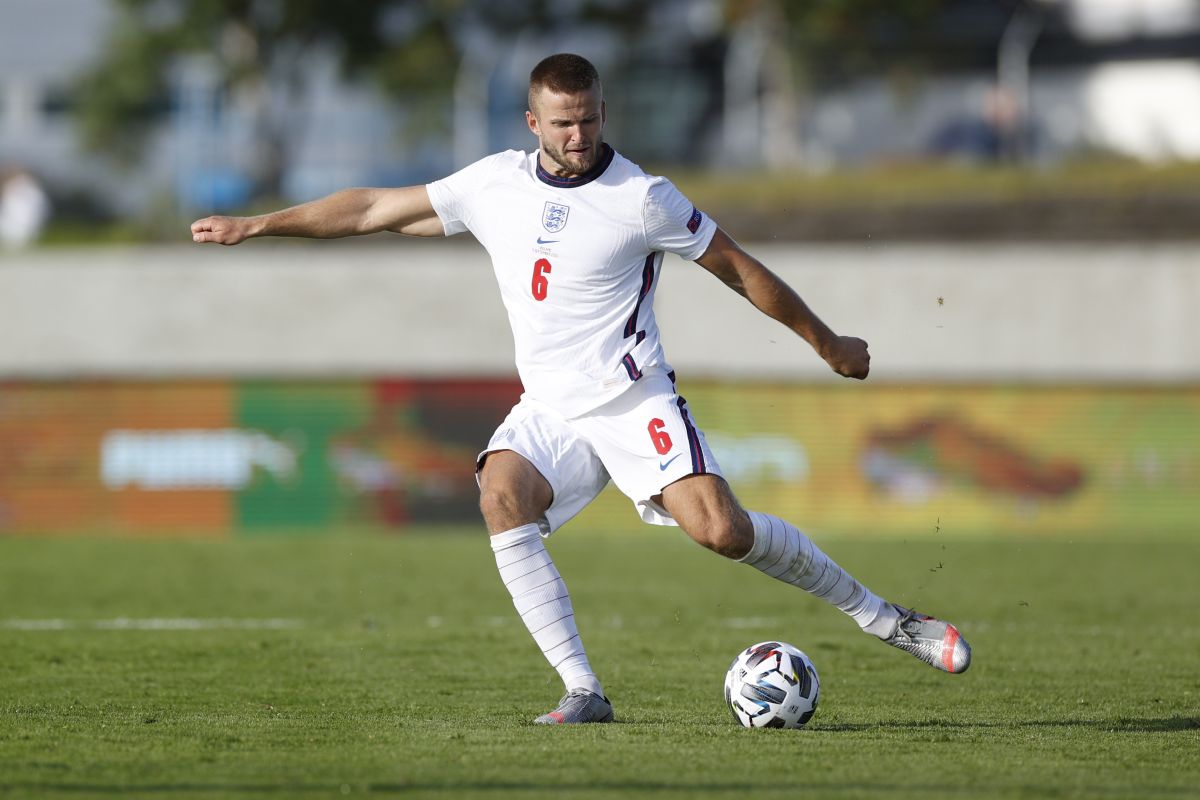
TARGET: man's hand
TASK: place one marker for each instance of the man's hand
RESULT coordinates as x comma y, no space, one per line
848,357
222,230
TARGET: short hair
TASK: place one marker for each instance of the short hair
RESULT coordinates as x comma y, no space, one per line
563,72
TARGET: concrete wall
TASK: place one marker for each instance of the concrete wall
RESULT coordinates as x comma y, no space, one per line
395,306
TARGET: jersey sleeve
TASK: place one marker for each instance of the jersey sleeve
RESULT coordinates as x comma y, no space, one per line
673,224
452,196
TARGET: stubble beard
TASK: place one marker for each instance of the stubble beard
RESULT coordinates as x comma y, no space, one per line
574,169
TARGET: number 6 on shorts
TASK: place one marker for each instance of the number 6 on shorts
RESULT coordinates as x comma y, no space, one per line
661,439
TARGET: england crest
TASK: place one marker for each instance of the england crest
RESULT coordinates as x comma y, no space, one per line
554,217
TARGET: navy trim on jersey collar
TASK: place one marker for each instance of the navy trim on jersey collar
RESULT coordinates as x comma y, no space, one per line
606,157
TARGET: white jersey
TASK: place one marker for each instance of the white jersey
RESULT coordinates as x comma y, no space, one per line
577,260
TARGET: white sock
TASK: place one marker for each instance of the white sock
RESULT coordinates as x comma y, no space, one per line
541,598
784,553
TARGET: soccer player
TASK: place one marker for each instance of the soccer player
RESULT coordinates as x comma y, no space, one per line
576,234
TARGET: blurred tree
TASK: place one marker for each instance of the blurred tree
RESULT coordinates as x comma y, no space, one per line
411,48
783,51
779,51
415,50
841,39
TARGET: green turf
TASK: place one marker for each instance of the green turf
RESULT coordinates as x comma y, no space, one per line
407,672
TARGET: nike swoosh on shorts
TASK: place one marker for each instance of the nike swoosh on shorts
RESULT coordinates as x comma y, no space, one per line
663,466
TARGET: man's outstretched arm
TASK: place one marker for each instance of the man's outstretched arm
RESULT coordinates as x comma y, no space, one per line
747,276
351,212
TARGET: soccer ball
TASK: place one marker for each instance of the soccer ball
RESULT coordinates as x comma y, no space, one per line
772,685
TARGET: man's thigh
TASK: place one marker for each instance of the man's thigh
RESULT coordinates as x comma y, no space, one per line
707,510
541,438
648,440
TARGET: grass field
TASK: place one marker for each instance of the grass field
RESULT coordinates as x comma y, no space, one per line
351,665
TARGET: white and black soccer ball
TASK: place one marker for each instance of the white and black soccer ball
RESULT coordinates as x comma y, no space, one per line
772,685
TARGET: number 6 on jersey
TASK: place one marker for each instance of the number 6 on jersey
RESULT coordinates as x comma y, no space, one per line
541,268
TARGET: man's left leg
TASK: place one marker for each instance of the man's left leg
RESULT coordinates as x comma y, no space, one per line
704,506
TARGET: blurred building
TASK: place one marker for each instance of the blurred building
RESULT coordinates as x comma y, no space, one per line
1037,81
201,151
42,48
989,79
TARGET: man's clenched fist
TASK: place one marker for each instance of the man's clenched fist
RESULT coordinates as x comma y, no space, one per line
221,230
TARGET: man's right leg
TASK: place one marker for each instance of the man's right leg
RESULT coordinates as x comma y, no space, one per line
514,498
706,509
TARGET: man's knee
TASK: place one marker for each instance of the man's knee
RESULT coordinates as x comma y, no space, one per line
704,506
502,502
724,534
511,492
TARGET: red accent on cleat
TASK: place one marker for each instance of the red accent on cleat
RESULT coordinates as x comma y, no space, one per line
556,716
948,644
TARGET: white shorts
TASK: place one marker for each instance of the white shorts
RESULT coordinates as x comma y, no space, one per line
644,440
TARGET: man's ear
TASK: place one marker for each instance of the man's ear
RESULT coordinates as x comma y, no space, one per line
532,122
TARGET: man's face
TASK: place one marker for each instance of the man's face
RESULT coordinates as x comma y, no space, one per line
569,128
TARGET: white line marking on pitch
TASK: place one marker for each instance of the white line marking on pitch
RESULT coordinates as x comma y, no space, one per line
151,624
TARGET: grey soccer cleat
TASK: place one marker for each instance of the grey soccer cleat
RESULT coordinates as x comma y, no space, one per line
578,706
936,643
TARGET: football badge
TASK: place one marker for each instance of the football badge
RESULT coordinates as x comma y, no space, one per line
554,217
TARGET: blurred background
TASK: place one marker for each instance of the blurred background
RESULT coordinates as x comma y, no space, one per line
1001,196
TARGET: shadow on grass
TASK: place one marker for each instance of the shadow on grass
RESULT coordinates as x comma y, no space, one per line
455,787
1174,724
634,788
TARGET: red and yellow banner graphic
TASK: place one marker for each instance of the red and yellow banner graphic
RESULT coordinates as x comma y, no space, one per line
986,459
214,457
